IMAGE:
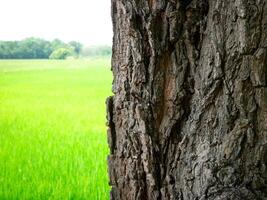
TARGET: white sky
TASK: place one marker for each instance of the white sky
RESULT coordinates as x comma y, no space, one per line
87,21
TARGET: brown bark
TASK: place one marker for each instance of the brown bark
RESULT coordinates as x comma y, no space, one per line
188,119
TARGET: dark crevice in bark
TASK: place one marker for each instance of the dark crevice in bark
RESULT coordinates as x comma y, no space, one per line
111,125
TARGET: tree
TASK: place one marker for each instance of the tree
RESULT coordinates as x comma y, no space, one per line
61,53
77,47
188,119
25,49
56,44
34,48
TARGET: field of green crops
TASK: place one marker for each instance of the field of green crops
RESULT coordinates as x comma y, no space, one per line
52,129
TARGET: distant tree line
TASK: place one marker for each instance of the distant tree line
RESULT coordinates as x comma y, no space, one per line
35,48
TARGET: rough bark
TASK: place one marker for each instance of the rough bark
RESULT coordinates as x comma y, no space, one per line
188,119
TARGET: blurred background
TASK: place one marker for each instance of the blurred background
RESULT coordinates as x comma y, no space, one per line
54,79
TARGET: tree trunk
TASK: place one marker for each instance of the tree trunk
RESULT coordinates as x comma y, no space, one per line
188,120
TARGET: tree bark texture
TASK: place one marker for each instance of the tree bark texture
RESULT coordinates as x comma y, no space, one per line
188,119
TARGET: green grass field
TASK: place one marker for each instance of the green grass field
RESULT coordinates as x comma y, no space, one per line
52,129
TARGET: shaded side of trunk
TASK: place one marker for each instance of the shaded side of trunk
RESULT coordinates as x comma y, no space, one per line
188,119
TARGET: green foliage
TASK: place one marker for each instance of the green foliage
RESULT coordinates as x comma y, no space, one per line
52,129
56,44
28,48
77,47
61,53
33,48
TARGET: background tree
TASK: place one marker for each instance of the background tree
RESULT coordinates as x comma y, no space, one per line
57,43
189,116
61,53
77,47
35,48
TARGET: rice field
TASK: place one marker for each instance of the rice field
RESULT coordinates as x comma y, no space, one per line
52,129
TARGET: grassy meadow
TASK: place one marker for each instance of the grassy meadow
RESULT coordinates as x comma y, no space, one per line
52,129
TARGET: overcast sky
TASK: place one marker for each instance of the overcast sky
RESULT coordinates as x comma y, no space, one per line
87,21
